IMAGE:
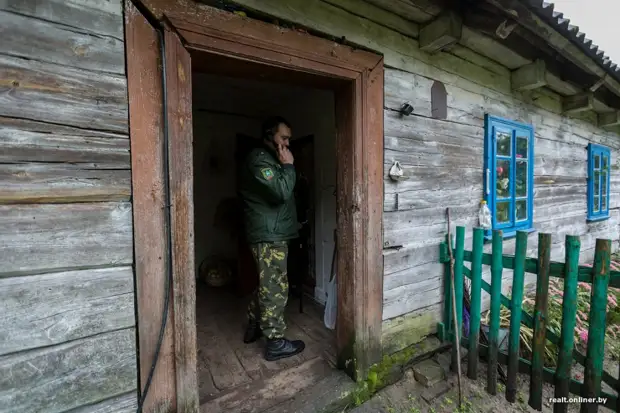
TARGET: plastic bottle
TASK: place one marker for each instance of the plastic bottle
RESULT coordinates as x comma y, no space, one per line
484,215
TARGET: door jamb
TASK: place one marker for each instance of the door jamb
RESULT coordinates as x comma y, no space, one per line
359,110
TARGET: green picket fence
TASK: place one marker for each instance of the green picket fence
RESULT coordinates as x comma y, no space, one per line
599,276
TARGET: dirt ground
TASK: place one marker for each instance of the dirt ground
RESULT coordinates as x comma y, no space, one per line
409,396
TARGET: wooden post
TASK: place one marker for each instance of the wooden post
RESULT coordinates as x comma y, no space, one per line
540,321
515,316
569,314
458,290
596,333
447,312
474,313
496,292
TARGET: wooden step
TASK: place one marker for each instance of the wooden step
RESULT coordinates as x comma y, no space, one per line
262,394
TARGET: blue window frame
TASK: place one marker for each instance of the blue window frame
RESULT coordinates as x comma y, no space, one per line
509,174
599,161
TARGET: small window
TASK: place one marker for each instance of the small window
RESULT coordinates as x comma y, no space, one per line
439,101
599,161
509,174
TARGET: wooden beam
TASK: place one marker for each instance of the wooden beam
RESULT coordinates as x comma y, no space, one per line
578,103
529,77
442,32
548,34
607,120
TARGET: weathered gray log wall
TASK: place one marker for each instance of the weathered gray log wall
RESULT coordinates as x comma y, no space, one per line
67,322
444,158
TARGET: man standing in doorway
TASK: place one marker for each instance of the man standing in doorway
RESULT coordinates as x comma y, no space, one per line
266,189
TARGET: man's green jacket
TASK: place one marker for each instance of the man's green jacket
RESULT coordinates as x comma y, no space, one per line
266,189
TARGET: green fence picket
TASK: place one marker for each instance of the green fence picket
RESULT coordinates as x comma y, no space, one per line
458,290
569,314
540,321
515,316
596,332
496,301
474,307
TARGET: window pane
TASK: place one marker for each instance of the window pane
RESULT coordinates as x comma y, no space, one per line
604,163
596,204
521,210
597,182
597,161
502,184
521,180
503,212
521,146
604,183
604,202
504,143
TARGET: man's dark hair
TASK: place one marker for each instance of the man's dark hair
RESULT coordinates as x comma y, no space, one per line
270,126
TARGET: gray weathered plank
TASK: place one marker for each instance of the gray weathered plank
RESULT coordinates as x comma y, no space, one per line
48,309
19,144
62,183
56,129
70,375
46,238
59,94
103,17
31,38
125,403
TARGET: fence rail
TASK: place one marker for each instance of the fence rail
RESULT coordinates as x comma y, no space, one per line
600,276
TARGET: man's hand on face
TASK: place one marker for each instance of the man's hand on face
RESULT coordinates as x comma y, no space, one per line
284,155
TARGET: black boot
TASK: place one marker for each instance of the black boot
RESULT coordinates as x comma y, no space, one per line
252,333
280,348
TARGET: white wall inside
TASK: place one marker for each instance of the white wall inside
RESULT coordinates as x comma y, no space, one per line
224,107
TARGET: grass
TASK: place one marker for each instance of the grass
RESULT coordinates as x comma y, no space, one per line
554,319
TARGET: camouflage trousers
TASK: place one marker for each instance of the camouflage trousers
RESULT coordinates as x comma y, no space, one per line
269,301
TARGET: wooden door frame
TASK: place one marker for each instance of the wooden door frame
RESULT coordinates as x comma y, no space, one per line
359,115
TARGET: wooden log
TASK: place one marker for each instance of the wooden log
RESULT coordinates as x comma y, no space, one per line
95,17
515,317
595,353
48,309
444,31
58,94
69,375
496,292
578,103
26,141
529,77
540,321
31,38
64,236
61,183
569,312
609,120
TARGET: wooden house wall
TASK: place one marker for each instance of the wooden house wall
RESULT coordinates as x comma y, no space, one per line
67,323
444,158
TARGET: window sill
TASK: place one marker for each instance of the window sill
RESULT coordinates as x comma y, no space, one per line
598,218
507,234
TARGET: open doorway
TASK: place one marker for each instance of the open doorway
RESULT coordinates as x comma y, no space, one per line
227,115
160,67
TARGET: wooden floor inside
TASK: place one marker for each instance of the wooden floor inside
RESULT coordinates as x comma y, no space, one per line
225,363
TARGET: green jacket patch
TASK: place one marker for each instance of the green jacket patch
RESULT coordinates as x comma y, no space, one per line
267,173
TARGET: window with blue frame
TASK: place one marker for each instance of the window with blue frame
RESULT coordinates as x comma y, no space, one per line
599,161
509,174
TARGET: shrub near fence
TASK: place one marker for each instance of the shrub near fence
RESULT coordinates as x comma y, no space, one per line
600,276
